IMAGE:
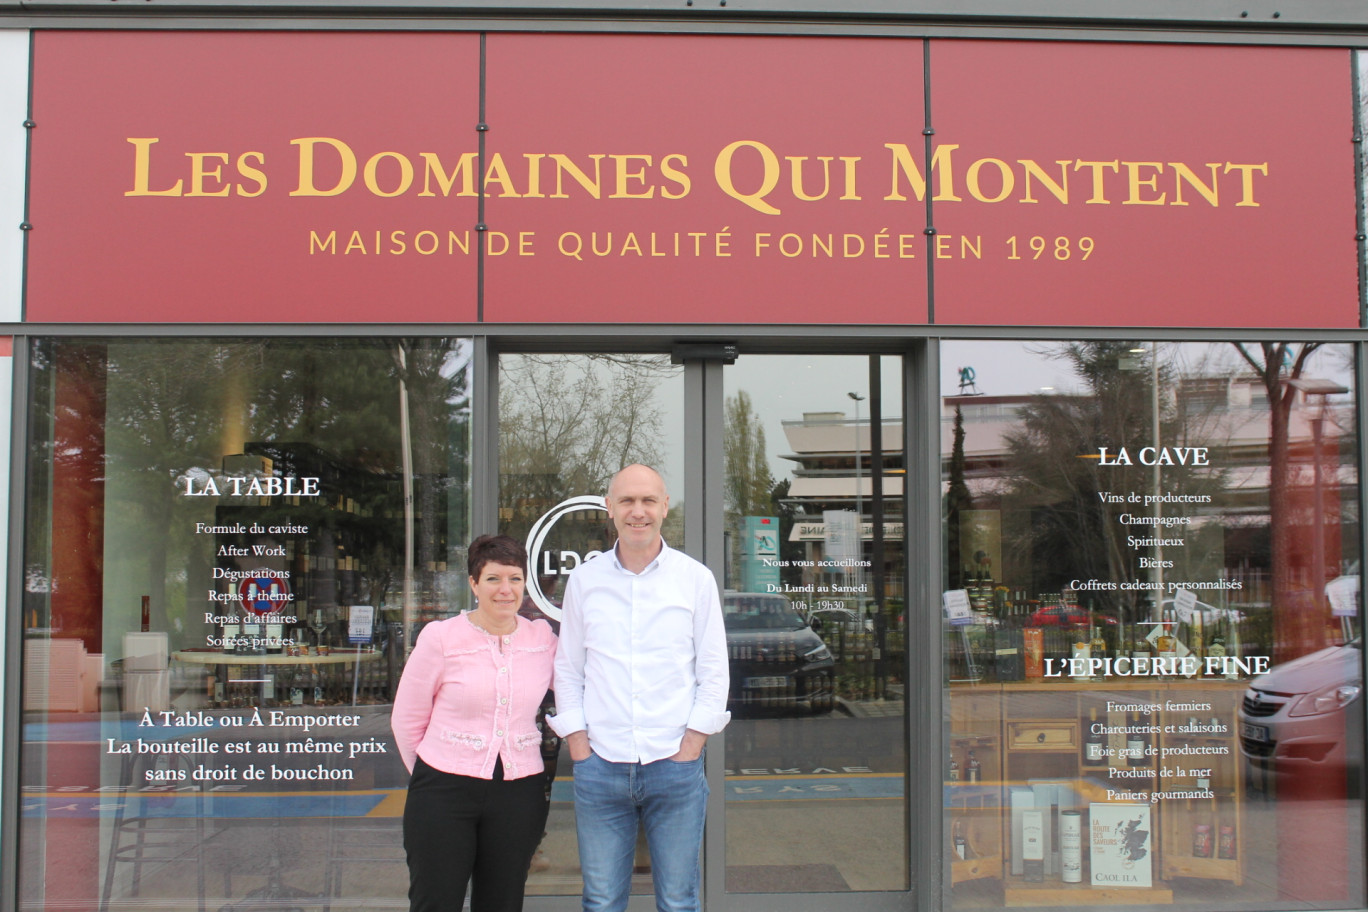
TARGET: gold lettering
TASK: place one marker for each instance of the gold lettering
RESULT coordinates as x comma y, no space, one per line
306,166
497,173
971,179
198,173
142,168
1247,180
796,176
565,166
373,167
1099,191
623,177
722,172
432,168
941,165
676,175
534,175
252,174
1060,190
1186,175
1135,182
322,245
849,162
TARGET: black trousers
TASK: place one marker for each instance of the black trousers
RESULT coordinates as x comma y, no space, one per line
459,829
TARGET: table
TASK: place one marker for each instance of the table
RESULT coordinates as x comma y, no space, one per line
319,679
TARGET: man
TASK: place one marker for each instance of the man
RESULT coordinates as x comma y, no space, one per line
641,682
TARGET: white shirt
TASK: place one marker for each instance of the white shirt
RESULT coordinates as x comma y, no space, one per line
642,657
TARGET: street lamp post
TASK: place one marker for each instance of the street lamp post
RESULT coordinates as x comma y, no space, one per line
859,506
859,509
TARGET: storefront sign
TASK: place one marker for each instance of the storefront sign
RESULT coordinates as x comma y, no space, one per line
687,180
760,554
546,562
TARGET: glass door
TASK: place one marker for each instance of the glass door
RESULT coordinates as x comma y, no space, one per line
567,423
785,475
815,605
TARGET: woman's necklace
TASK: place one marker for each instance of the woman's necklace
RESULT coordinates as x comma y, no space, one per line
477,621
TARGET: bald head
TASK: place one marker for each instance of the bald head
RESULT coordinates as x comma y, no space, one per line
637,504
636,473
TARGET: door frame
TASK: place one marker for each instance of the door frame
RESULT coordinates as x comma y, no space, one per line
704,540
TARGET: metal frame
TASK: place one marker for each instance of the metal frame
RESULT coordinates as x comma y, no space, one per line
14,628
925,691
484,436
921,392
1306,21
752,338
1333,23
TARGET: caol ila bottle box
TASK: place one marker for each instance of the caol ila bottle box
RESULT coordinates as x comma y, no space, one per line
1009,656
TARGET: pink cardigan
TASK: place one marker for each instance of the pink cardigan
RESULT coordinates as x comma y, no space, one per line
462,703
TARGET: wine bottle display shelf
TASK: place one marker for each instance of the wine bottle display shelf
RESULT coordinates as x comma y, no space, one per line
1040,748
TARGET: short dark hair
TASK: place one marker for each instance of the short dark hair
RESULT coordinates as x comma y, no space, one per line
495,549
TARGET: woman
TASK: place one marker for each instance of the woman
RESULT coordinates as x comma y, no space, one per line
465,723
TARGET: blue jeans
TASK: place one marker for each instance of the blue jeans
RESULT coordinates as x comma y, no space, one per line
668,799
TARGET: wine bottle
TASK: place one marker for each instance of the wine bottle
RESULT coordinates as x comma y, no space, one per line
1097,646
1094,742
1167,641
1136,741
1071,846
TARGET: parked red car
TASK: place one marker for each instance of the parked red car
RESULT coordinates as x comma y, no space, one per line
1067,616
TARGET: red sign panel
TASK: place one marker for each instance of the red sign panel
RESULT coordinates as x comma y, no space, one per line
696,180
1143,185
263,177
336,177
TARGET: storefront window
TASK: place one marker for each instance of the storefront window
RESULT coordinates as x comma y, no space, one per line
230,547
1153,653
815,607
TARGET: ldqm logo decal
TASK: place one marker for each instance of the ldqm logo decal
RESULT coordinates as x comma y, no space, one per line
548,562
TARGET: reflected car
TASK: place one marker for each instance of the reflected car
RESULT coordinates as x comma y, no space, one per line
1303,716
823,619
778,663
1067,616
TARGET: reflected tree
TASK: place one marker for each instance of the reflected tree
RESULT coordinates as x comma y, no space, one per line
749,482
567,423
1299,621
957,499
1057,481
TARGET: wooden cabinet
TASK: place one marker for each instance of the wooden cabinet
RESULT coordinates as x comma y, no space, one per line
1202,837
973,800
1169,746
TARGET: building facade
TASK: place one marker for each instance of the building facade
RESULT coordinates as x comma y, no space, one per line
1003,363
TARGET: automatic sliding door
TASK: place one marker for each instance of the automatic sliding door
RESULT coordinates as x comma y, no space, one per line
567,423
815,608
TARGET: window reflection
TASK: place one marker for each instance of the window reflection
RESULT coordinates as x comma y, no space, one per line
815,606
1152,624
567,423
229,546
